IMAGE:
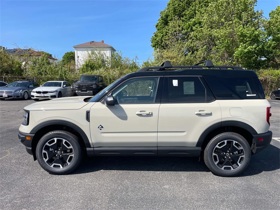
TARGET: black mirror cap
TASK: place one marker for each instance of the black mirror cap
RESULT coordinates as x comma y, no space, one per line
110,101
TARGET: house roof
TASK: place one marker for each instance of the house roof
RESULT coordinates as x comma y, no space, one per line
94,44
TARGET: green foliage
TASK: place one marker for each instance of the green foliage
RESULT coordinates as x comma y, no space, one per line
272,46
270,79
9,65
110,69
68,58
224,31
176,22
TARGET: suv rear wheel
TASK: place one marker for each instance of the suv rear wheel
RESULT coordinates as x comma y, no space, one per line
227,154
59,152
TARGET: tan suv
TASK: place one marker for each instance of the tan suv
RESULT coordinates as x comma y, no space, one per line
217,112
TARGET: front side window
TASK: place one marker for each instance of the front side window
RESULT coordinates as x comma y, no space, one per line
184,90
137,91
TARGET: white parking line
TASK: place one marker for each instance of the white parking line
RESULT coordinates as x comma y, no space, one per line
276,138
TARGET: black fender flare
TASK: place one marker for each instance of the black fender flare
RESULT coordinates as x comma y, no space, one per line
218,125
63,123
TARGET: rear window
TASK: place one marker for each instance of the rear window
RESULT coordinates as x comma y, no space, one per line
236,87
185,89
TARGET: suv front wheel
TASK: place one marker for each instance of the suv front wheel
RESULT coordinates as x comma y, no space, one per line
59,152
227,154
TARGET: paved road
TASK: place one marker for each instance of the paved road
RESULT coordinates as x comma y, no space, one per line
132,183
275,118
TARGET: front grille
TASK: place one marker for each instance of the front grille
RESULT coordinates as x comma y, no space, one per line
42,92
6,92
85,87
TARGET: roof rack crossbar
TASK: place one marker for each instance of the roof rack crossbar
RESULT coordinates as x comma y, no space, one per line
207,65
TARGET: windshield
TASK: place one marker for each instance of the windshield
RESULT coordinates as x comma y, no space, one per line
18,84
52,84
88,78
99,95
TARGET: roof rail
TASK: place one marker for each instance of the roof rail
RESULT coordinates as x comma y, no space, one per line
208,64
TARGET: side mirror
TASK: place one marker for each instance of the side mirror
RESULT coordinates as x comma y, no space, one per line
64,86
110,101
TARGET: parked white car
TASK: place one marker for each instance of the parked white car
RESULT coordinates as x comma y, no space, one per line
52,89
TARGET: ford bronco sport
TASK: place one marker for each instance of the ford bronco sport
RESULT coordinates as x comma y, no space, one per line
218,113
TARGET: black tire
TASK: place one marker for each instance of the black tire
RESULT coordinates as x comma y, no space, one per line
59,152
272,96
227,154
25,96
59,95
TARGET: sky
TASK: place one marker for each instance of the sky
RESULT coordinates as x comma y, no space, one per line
55,26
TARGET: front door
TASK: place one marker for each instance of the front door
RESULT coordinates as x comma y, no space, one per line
132,121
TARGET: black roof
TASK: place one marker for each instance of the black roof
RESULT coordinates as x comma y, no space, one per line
208,69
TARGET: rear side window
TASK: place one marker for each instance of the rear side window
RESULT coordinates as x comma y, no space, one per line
184,90
235,88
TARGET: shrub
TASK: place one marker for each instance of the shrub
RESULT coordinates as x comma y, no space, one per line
270,79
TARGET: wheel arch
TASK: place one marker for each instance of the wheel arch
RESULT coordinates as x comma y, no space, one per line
43,128
241,128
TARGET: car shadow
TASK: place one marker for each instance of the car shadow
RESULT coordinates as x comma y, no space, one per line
267,160
137,163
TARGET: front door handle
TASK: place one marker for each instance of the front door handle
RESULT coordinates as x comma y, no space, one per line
203,113
144,113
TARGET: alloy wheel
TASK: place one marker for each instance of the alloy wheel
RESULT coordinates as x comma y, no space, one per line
58,153
228,155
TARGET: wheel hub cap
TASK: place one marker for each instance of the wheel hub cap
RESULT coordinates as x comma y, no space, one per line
228,155
58,153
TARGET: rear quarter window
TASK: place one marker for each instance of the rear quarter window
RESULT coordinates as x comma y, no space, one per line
235,87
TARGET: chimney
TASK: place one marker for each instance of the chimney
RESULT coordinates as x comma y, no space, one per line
102,41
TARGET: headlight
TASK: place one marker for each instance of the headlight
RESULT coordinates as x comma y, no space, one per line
55,91
25,118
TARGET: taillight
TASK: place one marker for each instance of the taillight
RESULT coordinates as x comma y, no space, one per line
268,114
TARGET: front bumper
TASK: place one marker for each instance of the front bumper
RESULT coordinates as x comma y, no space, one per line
261,141
26,140
46,96
11,95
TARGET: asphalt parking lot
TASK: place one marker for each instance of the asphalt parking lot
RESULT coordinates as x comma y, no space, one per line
133,183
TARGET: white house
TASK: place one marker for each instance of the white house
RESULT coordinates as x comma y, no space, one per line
83,51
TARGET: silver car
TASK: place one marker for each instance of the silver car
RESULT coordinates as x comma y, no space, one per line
17,90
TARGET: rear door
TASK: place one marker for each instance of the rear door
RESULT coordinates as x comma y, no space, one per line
188,108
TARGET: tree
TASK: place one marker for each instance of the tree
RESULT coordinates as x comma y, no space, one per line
225,31
68,58
176,22
272,46
9,65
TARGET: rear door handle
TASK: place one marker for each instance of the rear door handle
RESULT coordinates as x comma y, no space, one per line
144,113
203,113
